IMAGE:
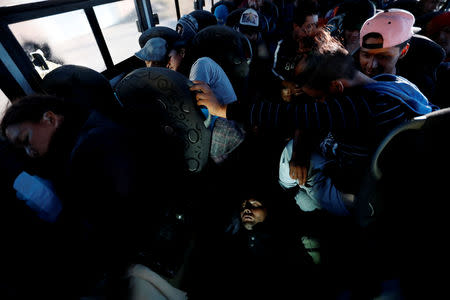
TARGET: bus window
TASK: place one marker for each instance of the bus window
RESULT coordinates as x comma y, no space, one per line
186,6
118,23
4,102
53,41
166,10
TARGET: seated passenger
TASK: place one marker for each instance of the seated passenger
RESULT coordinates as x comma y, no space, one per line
356,110
268,9
221,12
259,249
187,27
101,173
349,18
385,41
291,48
154,52
251,25
438,29
226,134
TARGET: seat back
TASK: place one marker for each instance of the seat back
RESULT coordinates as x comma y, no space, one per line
421,62
82,86
403,205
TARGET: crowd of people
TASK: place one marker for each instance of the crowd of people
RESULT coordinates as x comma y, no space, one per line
229,164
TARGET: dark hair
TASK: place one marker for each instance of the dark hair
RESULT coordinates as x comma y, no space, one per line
326,61
376,35
305,8
31,108
329,67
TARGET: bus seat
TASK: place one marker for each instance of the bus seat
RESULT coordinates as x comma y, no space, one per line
419,144
204,18
421,62
82,86
169,34
403,205
228,48
160,97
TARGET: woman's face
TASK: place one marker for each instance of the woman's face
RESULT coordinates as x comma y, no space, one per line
34,137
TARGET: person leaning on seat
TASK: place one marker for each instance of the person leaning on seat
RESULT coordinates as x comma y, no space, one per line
100,171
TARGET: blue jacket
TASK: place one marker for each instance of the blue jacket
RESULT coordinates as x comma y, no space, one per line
400,88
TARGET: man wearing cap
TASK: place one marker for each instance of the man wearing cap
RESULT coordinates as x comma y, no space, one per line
357,111
384,39
154,52
389,45
251,24
187,27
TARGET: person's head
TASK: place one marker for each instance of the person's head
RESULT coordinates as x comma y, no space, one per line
320,71
31,123
187,27
354,15
252,212
255,4
177,57
438,29
305,20
429,6
154,52
250,24
384,39
221,13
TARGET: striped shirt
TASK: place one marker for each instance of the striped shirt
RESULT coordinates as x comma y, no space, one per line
357,122
360,109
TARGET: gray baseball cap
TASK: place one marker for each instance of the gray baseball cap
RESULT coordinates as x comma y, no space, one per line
154,50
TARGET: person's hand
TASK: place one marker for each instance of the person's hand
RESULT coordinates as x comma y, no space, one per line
298,172
205,97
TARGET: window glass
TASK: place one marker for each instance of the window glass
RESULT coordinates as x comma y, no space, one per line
58,40
17,2
4,102
186,6
167,13
118,23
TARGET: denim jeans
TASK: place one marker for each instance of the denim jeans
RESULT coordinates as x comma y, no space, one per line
319,192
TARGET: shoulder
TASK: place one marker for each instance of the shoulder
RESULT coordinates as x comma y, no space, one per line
99,132
205,61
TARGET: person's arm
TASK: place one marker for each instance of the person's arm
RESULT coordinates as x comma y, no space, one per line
280,61
343,112
298,165
205,97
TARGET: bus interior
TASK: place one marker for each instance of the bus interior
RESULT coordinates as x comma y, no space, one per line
393,246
